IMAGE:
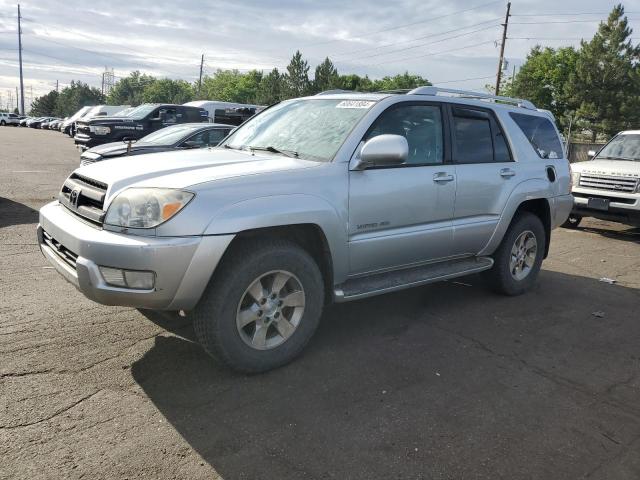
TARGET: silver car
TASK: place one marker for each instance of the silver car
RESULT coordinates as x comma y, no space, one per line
334,197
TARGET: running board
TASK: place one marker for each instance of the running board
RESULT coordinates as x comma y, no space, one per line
363,287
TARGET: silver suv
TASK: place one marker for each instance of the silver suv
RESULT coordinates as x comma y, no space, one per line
334,197
9,119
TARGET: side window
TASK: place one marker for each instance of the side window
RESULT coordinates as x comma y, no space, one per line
540,133
421,125
200,139
170,115
472,130
216,136
478,137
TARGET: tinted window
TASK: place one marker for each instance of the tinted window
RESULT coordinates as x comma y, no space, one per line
421,125
622,147
473,139
216,136
540,133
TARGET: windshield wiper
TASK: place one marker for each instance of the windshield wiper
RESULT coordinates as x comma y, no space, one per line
272,149
226,145
627,159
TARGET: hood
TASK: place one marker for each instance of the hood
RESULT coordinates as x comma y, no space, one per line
619,168
115,149
187,168
106,120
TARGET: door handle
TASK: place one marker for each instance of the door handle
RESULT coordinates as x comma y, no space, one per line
507,173
442,177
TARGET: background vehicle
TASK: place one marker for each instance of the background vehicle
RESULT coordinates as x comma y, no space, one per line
68,126
140,121
608,185
104,111
316,199
9,119
37,121
226,112
46,125
23,122
184,136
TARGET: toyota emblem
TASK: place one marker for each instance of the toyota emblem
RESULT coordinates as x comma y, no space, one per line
74,196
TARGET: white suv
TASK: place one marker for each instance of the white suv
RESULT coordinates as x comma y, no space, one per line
9,119
608,186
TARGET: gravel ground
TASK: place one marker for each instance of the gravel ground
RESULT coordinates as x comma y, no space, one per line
443,381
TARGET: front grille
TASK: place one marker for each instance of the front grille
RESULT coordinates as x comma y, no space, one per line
608,182
66,255
84,197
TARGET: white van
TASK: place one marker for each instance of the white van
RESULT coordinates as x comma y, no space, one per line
104,111
226,112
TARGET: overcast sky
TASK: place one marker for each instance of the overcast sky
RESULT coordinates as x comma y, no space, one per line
444,41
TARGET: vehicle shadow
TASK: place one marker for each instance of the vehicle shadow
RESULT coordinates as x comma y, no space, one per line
626,233
433,382
14,213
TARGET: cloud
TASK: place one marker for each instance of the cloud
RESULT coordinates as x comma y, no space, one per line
77,40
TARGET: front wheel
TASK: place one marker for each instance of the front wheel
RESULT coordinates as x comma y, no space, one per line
262,306
3,123
518,259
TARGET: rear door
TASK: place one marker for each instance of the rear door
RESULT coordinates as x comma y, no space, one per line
401,215
486,176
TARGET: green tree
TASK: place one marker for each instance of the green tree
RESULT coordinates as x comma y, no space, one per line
326,77
543,79
271,88
130,90
356,83
45,105
605,87
168,91
75,96
297,77
232,86
399,82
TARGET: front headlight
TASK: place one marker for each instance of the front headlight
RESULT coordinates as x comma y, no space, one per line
146,207
98,130
575,179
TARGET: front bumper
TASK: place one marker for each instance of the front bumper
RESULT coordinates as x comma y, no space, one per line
623,207
561,208
86,141
182,265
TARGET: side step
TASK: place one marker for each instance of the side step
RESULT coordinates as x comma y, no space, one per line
386,282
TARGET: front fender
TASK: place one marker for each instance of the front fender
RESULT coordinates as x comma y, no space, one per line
280,210
532,189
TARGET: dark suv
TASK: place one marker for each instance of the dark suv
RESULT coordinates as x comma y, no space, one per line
136,124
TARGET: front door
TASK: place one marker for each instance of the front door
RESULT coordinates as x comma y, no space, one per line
402,215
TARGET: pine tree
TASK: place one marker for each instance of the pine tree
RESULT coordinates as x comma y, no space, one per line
271,88
604,90
297,77
326,76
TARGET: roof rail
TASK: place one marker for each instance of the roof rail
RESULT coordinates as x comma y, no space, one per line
518,102
334,91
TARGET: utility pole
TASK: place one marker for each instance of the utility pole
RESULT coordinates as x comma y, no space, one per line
17,103
56,85
20,60
504,40
200,79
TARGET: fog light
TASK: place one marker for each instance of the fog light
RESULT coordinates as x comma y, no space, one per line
134,279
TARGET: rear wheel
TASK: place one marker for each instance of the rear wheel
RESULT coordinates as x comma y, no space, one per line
262,306
572,222
3,123
518,259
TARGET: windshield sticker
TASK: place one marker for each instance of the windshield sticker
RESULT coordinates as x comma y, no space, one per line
355,104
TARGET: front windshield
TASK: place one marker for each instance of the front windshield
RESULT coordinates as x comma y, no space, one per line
124,112
140,112
622,147
80,113
166,136
309,128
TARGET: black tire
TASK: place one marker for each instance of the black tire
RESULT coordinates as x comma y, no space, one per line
214,318
572,222
3,123
500,278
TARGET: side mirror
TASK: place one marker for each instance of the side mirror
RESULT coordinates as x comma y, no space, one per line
129,140
191,144
591,153
383,151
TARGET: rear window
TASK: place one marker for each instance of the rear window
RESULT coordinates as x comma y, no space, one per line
541,134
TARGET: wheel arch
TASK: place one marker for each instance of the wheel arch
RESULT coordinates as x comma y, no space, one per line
540,208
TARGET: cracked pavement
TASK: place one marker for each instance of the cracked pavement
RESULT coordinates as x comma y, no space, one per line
444,381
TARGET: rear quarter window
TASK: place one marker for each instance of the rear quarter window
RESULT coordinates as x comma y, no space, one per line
541,134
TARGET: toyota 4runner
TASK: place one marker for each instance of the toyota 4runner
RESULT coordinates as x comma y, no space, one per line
608,186
334,197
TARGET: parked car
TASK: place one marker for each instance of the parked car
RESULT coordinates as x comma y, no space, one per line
608,185
316,199
136,124
35,122
69,125
176,137
227,112
46,124
23,121
9,119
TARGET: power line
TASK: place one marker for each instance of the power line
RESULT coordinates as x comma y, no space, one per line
558,21
432,54
463,80
565,14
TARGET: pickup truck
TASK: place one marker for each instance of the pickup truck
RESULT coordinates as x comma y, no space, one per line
328,198
608,186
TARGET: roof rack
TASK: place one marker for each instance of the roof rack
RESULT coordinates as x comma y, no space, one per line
518,102
334,91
